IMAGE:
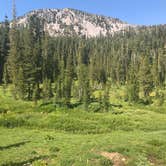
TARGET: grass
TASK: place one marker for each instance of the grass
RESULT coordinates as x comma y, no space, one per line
58,148
42,134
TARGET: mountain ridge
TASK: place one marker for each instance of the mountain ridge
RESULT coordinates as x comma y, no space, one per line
67,21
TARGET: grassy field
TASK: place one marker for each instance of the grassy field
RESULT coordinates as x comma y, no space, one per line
46,135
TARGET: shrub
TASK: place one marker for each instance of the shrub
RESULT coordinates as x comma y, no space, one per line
3,111
160,98
11,122
95,107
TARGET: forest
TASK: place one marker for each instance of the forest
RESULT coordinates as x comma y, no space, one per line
40,67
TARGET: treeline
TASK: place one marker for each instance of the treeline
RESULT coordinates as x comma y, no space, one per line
41,67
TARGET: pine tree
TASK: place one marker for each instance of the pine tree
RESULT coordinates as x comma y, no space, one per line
145,77
47,90
14,58
4,46
36,35
69,75
132,81
20,86
83,77
60,79
36,94
46,58
86,91
6,78
106,98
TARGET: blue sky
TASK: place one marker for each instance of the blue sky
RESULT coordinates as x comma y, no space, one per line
132,11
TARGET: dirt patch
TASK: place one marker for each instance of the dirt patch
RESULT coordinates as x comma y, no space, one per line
117,158
154,161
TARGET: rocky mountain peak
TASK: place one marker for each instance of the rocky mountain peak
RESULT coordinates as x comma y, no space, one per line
74,22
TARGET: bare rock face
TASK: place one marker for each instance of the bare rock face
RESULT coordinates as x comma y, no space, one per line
61,22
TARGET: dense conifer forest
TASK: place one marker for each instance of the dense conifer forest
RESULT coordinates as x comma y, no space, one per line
41,67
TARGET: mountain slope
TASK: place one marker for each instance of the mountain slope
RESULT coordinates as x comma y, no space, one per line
74,22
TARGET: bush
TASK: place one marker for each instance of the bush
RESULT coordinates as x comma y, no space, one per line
145,101
95,107
11,122
99,107
74,125
3,111
160,98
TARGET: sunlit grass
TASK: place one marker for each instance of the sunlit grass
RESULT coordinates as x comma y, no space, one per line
58,136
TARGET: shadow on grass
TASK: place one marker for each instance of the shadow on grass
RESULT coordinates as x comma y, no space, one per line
14,145
29,161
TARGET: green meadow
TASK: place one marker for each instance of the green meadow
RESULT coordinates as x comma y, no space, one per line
45,134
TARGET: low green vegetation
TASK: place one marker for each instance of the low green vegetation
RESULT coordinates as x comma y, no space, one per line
49,134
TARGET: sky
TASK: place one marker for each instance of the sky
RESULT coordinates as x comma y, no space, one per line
142,12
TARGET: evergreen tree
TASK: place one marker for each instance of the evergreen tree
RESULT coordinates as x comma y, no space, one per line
145,77
69,75
60,79
106,98
132,82
14,58
36,94
47,90
83,77
4,46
